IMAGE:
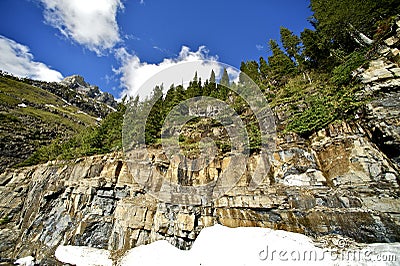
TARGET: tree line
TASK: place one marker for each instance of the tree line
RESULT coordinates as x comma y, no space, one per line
309,74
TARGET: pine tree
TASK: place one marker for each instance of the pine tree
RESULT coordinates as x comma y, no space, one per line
195,77
170,98
280,64
251,69
343,21
315,50
223,86
291,43
224,79
194,89
211,87
212,77
206,89
155,118
264,69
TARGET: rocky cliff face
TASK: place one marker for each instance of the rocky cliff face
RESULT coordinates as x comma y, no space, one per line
337,182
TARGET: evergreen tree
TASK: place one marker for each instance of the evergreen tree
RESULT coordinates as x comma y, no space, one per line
264,68
291,43
224,79
170,98
155,118
281,66
264,72
212,77
179,94
206,89
195,79
250,68
223,86
345,22
315,50
194,89
211,86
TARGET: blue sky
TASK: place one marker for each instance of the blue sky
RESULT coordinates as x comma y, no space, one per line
116,43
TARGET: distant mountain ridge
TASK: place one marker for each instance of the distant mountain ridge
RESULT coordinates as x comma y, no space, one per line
81,86
33,113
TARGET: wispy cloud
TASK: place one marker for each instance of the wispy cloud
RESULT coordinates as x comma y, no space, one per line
142,2
132,37
260,47
165,52
139,78
16,59
91,23
158,48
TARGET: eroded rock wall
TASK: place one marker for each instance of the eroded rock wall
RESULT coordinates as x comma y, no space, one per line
337,182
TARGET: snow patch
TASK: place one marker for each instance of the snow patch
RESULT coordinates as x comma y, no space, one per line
220,245
26,261
81,112
112,108
65,101
83,256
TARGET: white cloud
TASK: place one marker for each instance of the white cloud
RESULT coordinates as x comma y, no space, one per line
139,78
259,47
91,23
16,59
159,49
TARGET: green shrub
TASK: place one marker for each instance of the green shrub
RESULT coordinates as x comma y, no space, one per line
326,105
342,74
4,220
320,113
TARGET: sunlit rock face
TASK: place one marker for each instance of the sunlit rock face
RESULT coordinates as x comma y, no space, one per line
336,183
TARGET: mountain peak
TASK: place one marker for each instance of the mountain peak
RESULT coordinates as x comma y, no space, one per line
75,81
79,84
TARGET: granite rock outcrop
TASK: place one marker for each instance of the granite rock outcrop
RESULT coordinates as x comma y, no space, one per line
337,182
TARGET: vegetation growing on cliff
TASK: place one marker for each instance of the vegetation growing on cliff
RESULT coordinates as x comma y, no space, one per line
308,80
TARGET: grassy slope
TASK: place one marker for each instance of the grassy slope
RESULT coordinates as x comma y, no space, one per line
45,117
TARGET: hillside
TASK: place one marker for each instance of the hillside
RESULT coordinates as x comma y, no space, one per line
34,113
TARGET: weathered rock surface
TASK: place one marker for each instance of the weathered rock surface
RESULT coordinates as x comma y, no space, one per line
381,81
338,182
